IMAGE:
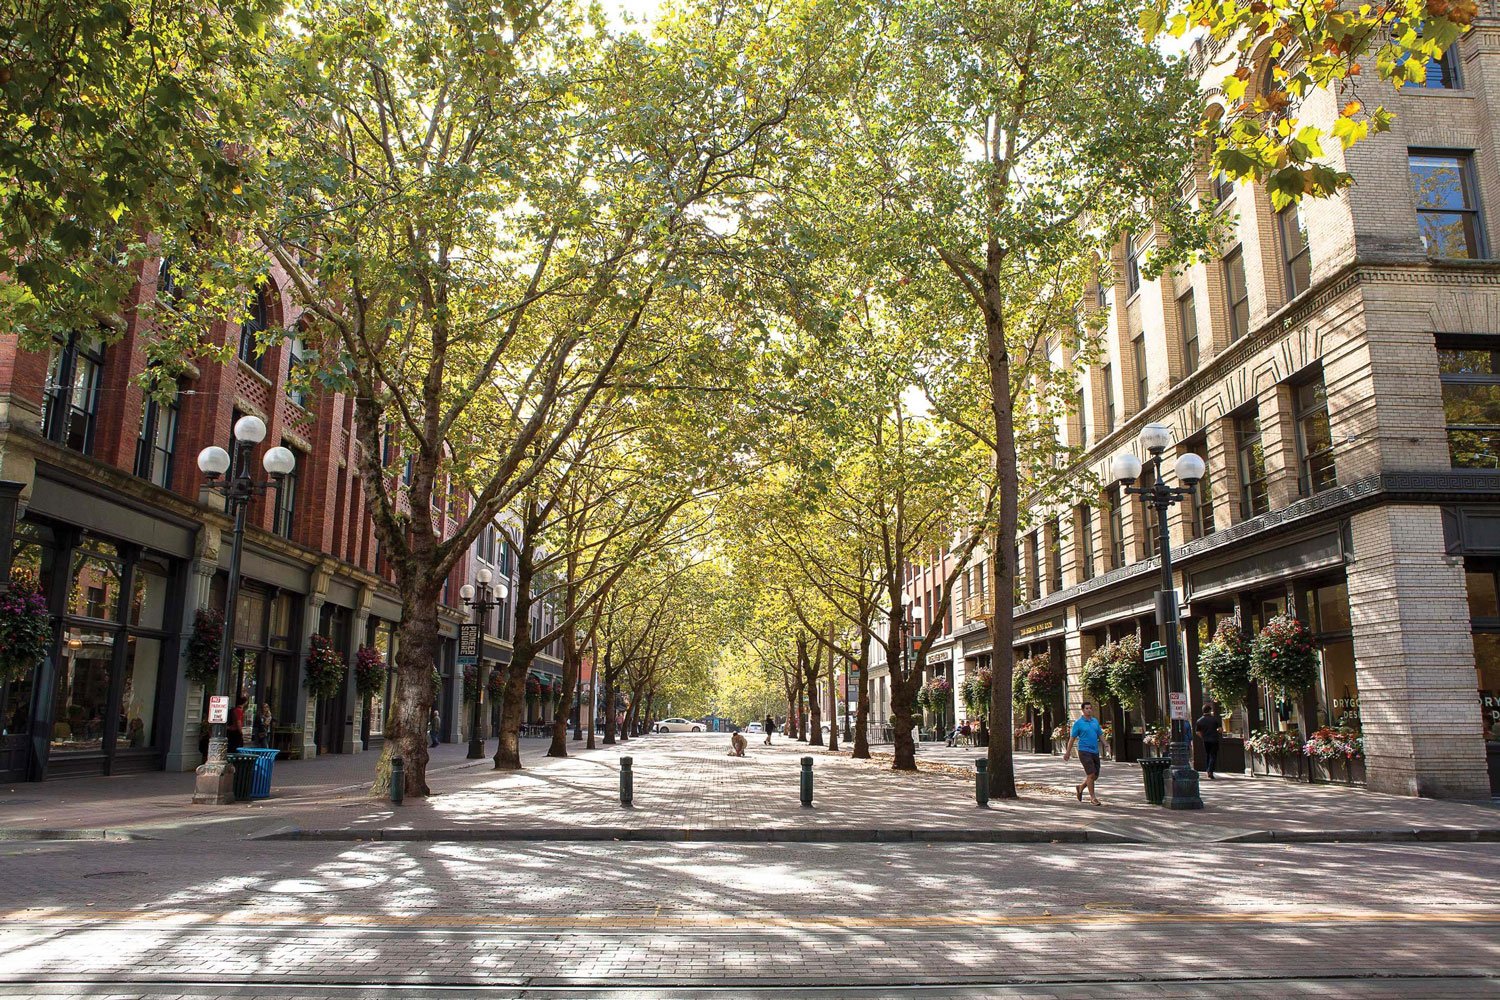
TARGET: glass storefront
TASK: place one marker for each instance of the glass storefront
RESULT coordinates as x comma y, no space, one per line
102,698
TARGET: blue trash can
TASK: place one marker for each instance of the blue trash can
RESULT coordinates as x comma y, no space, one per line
264,758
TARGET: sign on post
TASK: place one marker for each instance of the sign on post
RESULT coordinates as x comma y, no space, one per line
468,645
1179,706
218,709
1155,651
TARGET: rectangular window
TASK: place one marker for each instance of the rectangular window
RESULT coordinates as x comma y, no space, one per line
1033,567
1083,420
1116,528
1470,372
1254,499
256,322
1109,397
1447,205
1223,187
1054,556
1085,546
153,447
1138,360
1440,73
286,502
295,350
1236,294
1295,256
73,381
1132,266
1187,322
1314,439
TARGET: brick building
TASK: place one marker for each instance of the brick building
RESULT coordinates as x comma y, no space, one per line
1338,366
126,544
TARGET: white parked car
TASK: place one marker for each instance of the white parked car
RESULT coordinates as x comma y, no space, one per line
754,727
678,726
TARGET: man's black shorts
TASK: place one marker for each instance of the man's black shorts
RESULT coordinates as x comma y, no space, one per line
1090,762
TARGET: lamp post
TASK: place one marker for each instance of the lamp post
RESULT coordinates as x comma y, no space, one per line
231,477
1182,781
482,599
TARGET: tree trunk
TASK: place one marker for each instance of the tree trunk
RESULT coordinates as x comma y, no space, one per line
522,656
862,711
833,699
408,715
609,699
564,705
1002,547
809,665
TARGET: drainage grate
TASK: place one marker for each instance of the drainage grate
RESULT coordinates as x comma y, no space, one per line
115,874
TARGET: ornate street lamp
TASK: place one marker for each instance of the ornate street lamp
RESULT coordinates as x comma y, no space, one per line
1125,468
482,599
215,782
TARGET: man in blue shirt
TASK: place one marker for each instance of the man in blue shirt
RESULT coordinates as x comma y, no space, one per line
1085,733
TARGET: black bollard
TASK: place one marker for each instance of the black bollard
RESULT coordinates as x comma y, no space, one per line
982,781
398,780
627,782
807,781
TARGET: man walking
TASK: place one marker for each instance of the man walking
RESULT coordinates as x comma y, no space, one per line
1085,734
1210,728
770,726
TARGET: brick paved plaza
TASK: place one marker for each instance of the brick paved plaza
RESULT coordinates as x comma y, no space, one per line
1135,901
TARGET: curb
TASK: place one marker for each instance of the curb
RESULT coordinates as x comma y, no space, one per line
830,835
33,835
1430,835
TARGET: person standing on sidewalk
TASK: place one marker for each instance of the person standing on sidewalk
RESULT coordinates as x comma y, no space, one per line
1209,729
1085,733
235,731
770,725
435,724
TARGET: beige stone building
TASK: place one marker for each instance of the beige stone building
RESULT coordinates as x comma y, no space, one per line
1338,366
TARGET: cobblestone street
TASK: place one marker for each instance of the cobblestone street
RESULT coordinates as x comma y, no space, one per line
195,909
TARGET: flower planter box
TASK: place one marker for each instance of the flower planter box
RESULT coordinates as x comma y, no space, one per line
1024,744
1279,765
1338,771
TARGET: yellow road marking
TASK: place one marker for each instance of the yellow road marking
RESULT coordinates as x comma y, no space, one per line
586,921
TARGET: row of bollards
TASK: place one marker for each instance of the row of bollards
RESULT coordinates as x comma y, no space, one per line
627,781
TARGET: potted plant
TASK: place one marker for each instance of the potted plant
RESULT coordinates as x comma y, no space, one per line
1023,734
1224,666
1277,753
1337,754
205,646
1059,739
1283,656
325,667
1157,739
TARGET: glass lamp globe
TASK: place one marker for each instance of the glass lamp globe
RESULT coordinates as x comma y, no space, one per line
1125,467
213,461
1155,437
250,430
1190,468
484,576
502,591
466,591
279,461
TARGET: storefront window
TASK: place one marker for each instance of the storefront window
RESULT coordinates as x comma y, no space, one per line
148,598
94,585
250,618
143,656
81,704
1487,666
1340,702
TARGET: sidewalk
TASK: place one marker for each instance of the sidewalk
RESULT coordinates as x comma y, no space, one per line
688,788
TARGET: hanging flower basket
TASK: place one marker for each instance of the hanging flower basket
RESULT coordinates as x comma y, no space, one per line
325,667
934,694
205,646
977,691
1128,674
1094,678
437,683
1020,683
369,672
1224,665
533,690
1283,657
471,682
495,685
1044,681
25,629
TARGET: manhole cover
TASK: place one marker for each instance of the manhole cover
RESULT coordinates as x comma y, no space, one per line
115,874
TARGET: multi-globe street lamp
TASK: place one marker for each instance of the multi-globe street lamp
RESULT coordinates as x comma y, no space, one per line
1125,468
231,477
481,598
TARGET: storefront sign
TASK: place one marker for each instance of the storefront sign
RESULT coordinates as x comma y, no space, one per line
1037,628
1179,706
468,645
218,709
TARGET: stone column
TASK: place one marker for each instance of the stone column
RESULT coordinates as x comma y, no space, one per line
1223,473
1278,436
307,702
1073,657
1414,658
356,704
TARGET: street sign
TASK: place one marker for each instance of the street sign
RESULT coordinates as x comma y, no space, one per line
1179,706
1155,651
218,709
468,645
